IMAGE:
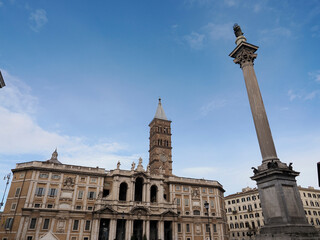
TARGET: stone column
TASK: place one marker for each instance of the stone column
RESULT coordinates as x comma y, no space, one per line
161,230
113,228
95,229
129,229
244,55
280,200
146,229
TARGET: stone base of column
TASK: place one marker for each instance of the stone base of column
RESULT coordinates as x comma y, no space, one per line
288,232
281,203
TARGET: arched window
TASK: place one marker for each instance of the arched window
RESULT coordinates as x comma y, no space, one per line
241,225
231,225
153,193
196,212
311,203
138,189
123,192
317,221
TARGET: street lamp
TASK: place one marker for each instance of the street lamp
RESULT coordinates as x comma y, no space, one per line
206,205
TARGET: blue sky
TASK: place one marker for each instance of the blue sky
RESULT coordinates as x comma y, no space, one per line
85,77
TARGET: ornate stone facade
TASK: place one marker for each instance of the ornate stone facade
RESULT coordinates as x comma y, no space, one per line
51,200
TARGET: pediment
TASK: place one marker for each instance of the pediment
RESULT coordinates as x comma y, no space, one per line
169,213
139,210
140,174
49,236
106,209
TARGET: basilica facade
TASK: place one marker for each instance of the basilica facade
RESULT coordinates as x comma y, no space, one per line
52,200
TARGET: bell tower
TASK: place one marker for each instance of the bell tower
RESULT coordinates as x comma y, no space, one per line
160,154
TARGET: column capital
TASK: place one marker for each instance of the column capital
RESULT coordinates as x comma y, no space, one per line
244,54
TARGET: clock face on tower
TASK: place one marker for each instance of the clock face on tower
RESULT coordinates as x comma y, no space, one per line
163,157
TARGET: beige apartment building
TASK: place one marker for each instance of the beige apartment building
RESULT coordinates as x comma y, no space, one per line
245,216
52,200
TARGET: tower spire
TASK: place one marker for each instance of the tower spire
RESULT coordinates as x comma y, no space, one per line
160,112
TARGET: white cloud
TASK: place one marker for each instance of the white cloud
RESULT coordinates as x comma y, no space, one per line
195,40
16,95
21,134
292,95
219,31
257,7
302,95
211,31
214,104
38,19
315,75
269,35
311,95
230,3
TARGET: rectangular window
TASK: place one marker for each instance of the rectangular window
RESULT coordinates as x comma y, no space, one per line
52,192
214,228
188,227
55,176
46,224
177,187
8,224
93,180
17,192
207,227
211,203
179,227
50,206
185,188
33,223
80,194
90,208
178,201
43,175
85,238
29,238
13,206
210,190
75,225
82,179
78,207
87,226
186,202
203,190
40,191
21,175
91,195
37,205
